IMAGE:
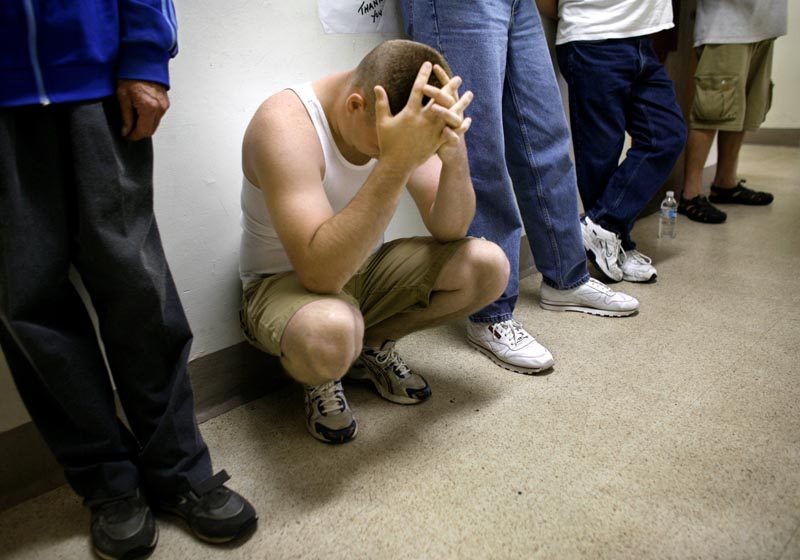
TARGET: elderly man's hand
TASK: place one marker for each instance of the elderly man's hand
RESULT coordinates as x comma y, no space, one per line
142,104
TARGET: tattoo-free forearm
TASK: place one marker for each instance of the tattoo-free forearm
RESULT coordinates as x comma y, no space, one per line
344,241
454,206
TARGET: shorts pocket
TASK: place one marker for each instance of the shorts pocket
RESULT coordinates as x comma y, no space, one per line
715,98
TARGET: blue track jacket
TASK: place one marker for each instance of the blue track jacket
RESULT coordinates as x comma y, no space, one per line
58,51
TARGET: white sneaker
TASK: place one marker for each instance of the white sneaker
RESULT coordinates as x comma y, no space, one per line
602,247
593,297
510,346
636,267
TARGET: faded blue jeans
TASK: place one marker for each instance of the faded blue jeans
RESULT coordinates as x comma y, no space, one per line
619,85
519,140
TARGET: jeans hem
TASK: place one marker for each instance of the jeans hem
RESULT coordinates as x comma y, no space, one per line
491,320
581,282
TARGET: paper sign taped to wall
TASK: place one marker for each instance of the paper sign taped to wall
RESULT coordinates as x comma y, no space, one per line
359,16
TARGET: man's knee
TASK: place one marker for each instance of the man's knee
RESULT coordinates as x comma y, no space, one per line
322,340
487,269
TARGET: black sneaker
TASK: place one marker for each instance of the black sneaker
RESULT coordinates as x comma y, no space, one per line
122,528
215,513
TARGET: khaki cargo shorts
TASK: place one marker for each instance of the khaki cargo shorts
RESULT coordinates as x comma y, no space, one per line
733,86
398,278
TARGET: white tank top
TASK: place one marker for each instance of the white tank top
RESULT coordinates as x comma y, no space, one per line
261,252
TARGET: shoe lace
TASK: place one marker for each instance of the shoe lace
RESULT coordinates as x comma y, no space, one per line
600,287
512,330
639,257
328,397
388,356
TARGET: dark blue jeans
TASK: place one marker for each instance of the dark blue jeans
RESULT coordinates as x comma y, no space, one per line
72,191
519,140
619,85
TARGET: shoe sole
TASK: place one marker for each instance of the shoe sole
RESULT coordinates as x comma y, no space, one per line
317,436
505,365
703,221
588,310
384,394
243,531
651,280
141,552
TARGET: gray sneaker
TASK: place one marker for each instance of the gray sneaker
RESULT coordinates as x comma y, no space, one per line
390,376
593,297
328,416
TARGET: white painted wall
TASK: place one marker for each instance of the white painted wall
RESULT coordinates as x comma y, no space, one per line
785,112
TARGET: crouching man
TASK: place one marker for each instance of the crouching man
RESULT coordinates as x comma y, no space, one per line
325,164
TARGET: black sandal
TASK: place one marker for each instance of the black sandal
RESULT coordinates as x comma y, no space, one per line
739,195
699,209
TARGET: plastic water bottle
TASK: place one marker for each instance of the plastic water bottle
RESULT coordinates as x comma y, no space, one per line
667,217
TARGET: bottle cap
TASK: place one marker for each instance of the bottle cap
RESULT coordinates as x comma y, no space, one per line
671,194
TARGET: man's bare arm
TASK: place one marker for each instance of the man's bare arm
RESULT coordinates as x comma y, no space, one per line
548,8
442,187
326,249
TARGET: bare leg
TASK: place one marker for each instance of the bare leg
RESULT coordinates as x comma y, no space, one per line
475,276
728,145
321,341
698,147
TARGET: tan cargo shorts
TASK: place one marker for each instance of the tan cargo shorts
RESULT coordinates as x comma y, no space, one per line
733,86
399,277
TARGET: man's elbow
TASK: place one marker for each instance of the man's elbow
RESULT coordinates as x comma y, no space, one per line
318,283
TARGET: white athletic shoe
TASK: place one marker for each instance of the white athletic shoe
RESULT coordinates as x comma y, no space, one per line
593,297
603,248
510,346
636,267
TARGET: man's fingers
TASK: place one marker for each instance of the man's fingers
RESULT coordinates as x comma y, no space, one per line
450,117
424,74
146,123
461,105
441,74
461,130
126,110
382,110
440,96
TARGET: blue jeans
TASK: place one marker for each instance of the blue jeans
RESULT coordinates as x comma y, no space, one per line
519,141
614,86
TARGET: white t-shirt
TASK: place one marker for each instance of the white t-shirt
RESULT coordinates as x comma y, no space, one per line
592,20
739,21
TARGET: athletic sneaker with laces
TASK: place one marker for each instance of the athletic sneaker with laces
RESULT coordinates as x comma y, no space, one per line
328,416
122,527
602,247
510,346
392,378
593,297
214,513
636,267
